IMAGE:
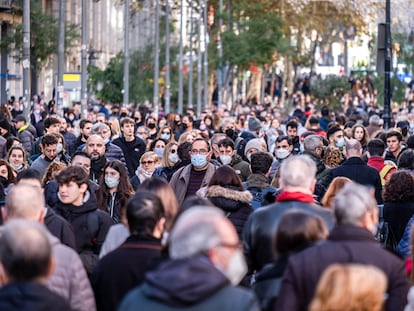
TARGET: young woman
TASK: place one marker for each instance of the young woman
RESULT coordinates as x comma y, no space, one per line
114,189
17,158
7,177
169,159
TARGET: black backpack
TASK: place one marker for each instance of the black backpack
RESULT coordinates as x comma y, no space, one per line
384,233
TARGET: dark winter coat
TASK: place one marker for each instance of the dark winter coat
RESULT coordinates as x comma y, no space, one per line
241,167
397,214
60,228
30,296
123,269
260,228
77,216
132,152
234,203
192,284
346,244
357,170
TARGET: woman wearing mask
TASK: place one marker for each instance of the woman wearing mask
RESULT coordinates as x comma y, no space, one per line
169,159
114,189
7,177
165,133
17,159
148,164
63,156
158,146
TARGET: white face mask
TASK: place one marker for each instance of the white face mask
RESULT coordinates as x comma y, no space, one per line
236,268
225,159
173,157
165,136
111,182
282,153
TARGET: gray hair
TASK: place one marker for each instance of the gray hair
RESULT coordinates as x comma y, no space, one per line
25,250
27,206
298,171
97,127
312,142
352,202
195,231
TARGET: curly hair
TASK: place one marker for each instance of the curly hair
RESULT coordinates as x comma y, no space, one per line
332,156
400,187
53,169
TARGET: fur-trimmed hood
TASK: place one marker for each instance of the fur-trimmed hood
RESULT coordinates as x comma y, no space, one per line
231,194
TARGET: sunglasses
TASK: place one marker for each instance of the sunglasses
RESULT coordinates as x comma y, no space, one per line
147,162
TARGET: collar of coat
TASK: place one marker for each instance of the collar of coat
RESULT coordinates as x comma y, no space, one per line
232,194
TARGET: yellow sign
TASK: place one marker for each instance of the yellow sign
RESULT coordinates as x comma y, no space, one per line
71,77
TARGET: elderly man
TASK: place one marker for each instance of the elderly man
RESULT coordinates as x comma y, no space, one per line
68,278
357,170
112,151
297,180
350,241
203,245
190,178
26,260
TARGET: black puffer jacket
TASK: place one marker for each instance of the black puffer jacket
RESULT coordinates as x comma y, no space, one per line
235,203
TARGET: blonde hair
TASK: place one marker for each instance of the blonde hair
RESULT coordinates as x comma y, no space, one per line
332,157
350,287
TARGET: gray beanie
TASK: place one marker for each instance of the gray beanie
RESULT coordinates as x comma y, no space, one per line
254,124
254,143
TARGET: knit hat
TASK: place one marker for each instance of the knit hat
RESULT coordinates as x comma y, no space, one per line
255,143
4,124
254,124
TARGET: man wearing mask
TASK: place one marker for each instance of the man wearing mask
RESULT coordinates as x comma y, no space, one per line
228,156
203,244
190,178
336,138
186,126
283,150
132,146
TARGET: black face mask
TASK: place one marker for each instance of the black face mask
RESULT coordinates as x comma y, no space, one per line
4,181
185,125
230,133
123,115
151,126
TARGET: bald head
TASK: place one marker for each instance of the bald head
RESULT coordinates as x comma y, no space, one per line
27,206
298,173
353,148
95,147
25,251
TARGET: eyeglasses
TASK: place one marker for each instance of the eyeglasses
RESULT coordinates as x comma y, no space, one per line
238,245
147,162
201,151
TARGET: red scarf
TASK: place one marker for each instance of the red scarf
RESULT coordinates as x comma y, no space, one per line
295,196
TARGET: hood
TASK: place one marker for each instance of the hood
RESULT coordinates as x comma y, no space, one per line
236,195
228,199
258,180
184,282
236,159
89,204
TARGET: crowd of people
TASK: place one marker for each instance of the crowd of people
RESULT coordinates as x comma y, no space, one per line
248,209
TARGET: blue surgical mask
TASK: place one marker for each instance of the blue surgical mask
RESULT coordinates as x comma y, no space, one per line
199,160
111,182
165,136
106,140
59,148
159,152
340,142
